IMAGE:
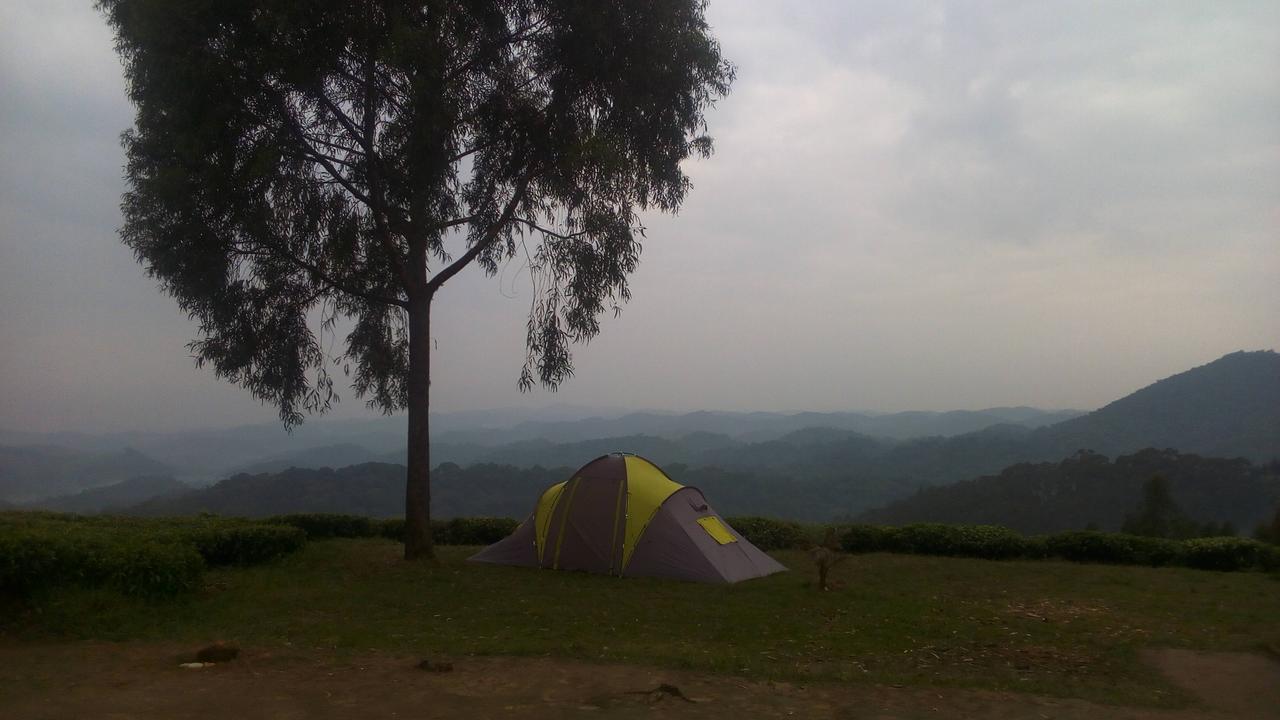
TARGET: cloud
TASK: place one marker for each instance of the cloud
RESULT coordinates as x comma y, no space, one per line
912,205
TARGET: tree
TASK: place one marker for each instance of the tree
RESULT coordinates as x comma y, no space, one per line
1158,515
1270,531
294,164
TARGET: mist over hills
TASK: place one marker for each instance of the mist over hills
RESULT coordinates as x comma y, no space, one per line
1230,407
1089,489
115,497
31,472
202,456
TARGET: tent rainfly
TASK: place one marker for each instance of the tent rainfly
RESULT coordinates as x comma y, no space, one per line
621,515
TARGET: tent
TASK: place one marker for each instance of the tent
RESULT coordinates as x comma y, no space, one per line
621,515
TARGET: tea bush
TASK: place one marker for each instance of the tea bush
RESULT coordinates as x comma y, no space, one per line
34,558
228,543
868,538
137,556
1225,553
456,531
771,534
320,526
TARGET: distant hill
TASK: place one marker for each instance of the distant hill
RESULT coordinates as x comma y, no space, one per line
113,497
32,472
756,426
1087,488
373,489
332,456
1227,408
1032,497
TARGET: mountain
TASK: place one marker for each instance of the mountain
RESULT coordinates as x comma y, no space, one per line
373,489
113,497
33,471
333,456
755,426
1227,408
1088,489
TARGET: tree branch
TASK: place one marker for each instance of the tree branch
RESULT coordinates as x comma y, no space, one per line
373,162
517,195
545,231
273,251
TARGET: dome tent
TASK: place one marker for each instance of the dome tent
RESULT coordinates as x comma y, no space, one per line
621,515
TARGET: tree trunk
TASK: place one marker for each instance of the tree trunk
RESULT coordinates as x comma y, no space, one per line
417,496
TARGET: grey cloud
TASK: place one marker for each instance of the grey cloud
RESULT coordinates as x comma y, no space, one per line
912,205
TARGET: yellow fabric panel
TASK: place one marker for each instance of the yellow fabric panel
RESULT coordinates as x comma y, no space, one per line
542,516
647,488
717,530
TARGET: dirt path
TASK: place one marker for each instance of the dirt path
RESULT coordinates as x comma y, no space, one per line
135,680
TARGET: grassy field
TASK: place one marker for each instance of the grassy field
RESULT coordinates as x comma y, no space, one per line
1047,627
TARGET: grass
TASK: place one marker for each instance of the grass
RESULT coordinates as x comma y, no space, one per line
1047,627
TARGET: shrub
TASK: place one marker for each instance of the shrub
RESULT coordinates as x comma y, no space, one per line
328,525
867,538
1269,558
770,534
1225,553
35,558
153,569
472,531
1092,546
457,531
134,555
1156,552
981,541
392,529
229,543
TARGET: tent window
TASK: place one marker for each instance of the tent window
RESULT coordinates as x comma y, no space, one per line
717,530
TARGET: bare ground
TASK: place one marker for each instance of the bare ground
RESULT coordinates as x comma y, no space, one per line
143,680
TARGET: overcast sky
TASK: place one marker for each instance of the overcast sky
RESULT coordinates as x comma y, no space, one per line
911,206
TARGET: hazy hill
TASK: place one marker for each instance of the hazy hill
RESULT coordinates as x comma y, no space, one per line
34,471
201,456
374,489
1228,408
1041,497
333,456
756,426
113,497
1089,488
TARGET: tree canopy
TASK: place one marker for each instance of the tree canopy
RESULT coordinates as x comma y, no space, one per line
289,155
295,163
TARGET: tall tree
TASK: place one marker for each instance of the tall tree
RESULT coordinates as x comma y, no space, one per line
294,163
1159,515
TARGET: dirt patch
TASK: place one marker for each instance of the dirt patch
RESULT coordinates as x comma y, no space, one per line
1055,611
1237,684
142,680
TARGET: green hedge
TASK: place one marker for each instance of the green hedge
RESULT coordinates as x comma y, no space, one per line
1226,553
1114,548
996,543
247,544
148,557
33,559
457,531
319,526
770,534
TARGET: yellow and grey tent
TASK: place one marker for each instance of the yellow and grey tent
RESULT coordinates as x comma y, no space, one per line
621,515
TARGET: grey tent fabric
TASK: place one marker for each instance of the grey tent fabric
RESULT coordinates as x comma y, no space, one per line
675,545
621,515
